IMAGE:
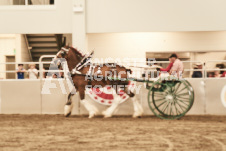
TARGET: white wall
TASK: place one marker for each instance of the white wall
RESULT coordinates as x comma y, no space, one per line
207,98
12,45
68,39
25,54
22,52
119,45
37,19
7,46
155,15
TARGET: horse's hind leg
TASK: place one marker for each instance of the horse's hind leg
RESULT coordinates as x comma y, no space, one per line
138,110
68,106
109,112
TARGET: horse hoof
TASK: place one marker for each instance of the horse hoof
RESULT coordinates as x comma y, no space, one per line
92,114
106,115
68,114
137,115
67,110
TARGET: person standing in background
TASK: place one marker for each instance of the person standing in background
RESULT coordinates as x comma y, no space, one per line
20,71
32,72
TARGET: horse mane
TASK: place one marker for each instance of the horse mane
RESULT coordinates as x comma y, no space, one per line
76,51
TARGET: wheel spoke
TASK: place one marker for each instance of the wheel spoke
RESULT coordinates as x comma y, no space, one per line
183,94
185,99
177,111
183,102
161,104
181,90
180,107
171,109
166,108
161,99
160,93
175,91
167,111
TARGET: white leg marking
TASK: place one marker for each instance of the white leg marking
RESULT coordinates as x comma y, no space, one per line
91,109
138,110
113,107
68,109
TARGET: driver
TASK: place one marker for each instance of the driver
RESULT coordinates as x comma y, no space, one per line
178,67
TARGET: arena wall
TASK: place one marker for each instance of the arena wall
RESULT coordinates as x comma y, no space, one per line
120,45
25,97
155,15
37,19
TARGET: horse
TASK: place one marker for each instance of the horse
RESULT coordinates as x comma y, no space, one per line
93,75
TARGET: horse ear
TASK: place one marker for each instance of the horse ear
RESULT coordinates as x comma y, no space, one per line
92,52
128,70
66,46
63,53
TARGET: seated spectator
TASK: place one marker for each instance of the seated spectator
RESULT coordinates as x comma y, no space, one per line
43,73
32,72
210,74
224,74
20,71
197,74
220,66
217,73
54,76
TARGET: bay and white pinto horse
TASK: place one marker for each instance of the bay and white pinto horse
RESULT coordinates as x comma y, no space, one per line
84,74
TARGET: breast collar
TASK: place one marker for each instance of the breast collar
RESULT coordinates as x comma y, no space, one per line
84,62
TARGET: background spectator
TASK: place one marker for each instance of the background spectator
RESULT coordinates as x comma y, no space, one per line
220,66
197,74
54,76
217,73
33,72
44,73
20,71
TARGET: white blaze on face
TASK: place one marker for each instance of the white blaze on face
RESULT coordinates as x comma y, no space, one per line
223,96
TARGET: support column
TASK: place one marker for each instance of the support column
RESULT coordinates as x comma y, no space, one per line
79,25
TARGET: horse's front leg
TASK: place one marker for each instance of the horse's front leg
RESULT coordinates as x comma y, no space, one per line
90,107
68,106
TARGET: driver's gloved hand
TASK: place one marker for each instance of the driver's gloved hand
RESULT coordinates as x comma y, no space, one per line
158,69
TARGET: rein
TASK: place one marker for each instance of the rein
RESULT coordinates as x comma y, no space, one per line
87,61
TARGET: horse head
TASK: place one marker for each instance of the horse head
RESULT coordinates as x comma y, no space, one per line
71,55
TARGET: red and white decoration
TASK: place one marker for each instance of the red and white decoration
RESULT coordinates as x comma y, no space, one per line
105,95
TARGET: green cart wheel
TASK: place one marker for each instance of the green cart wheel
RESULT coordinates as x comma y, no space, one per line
170,99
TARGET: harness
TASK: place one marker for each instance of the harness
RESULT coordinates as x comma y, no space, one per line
85,61
90,74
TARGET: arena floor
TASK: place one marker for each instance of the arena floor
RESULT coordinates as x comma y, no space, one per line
55,132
